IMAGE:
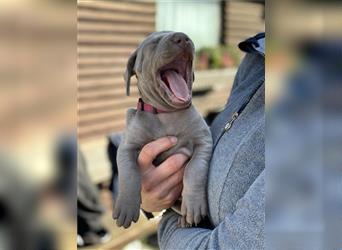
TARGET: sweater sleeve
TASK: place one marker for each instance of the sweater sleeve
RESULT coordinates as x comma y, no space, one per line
243,229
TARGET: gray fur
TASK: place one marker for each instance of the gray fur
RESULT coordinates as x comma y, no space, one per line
182,121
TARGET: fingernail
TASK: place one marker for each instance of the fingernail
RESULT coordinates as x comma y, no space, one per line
173,139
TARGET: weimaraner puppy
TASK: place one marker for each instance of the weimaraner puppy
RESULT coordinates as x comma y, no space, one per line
163,65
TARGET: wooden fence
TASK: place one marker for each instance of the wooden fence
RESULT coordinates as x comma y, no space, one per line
108,32
242,20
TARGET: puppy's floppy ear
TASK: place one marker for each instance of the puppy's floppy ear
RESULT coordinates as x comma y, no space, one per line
130,71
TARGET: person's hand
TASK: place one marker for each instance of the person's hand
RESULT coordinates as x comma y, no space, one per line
162,185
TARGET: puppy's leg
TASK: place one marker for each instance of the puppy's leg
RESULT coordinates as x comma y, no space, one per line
127,204
194,195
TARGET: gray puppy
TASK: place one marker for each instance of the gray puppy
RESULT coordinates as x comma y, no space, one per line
163,66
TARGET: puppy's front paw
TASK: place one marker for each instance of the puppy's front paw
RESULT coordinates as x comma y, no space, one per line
182,222
194,208
126,211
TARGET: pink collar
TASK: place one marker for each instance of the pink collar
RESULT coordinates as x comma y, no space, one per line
148,107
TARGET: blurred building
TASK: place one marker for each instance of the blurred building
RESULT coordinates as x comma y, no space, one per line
108,31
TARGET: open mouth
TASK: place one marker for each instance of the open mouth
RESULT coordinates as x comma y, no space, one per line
174,77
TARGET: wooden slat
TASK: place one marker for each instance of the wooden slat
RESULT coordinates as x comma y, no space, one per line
144,7
97,98
82,56
85,122
118,81
103,95
105,90
97,87
101,108
114,103
110,38
98,71
107,34
102,113
91,73
242,20
236,26
101,124
99,17
95,65
244,33
257,14
123,28
110,60
101,49
244,7
100,129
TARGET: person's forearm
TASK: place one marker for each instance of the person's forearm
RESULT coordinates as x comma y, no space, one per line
171,236
244,229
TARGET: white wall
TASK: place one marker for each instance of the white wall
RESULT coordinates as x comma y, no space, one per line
200,19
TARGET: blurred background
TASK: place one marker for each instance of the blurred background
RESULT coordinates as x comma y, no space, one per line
50,105
303,135
108,32
38,86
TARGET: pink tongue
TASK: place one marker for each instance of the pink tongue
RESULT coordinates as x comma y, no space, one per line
177,85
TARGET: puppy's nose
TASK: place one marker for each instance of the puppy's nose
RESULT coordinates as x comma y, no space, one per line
180,39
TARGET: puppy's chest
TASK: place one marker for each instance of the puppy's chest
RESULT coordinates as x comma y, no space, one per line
154,126
157,126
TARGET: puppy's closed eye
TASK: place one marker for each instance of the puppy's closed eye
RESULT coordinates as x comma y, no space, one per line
151,45
156,41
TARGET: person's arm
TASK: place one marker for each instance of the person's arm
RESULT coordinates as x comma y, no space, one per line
243,229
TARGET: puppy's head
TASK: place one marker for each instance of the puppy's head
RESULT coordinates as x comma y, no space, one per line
163,66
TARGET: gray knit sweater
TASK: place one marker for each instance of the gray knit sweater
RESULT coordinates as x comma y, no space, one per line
236,183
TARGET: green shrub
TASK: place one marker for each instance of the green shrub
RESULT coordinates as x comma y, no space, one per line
217,57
